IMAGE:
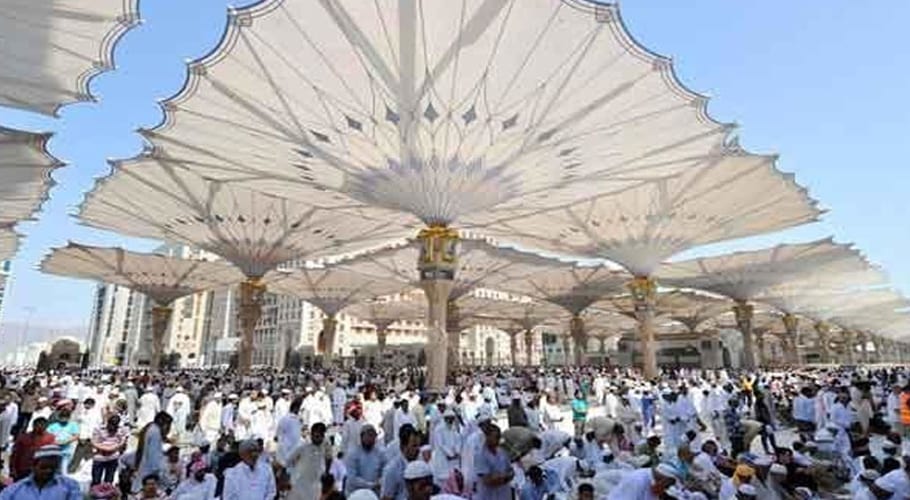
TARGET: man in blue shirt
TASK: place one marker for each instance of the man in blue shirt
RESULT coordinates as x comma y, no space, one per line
493,468
393,486
66,434
364,463
45,482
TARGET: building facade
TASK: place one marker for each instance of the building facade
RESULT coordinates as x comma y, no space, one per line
115,313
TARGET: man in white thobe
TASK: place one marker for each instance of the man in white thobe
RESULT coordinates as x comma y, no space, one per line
251,479
306,465
179,407
149,405
339,398
447,443
210,418
288,432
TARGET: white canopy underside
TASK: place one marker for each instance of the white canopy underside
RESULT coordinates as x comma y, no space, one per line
735,196
597,322
254,231
163,279
389,310
746,275
448,111
480,265
9,242
331,289
688,308
25,179
51,49
525,314
571,287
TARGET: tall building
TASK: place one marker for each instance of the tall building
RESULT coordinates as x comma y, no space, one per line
4,283
116,311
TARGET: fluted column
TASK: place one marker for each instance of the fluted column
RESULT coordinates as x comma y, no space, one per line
513,345
161,318
453,333
252,292
329,332
566,350
761,357
529,347
850,347
791,326
823,330
437,264
579,338
644,293
717,355
743,312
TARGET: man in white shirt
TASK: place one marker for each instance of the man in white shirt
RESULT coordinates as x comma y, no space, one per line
288,432
210,418
250,479
644,484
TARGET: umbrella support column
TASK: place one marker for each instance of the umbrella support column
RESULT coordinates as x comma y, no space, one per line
329,330
161,318
529,348
743,312
437,264
644,292
453,334
252,292
579,338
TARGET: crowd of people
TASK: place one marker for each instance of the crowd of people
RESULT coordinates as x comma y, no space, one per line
527,434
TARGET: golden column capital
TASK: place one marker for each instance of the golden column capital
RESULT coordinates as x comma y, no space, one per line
743,311
438,252
791,323
643,290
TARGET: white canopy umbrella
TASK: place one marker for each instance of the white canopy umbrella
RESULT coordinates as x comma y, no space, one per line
255,232
482,265
332,290
745,276
736,194
51,49
446,113
162,279
25,178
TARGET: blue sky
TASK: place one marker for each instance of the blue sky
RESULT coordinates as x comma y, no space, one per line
823,85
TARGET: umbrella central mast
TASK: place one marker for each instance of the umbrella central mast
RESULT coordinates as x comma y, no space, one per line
252,293
644,294
161,317
437,264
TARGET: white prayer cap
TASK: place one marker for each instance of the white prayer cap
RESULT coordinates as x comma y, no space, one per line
288,391
778,469
516,395
666,470
217,395
363,494
232,396
418,469
870,474
762,461
425,448
747,489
